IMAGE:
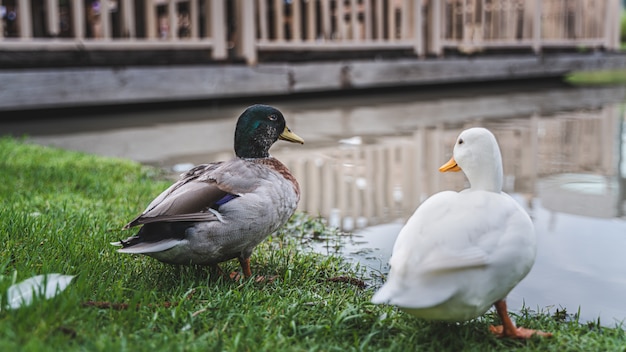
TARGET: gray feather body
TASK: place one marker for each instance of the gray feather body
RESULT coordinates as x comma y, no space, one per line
265,201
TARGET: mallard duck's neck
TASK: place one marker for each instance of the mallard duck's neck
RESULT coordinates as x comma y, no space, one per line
251,153
255,142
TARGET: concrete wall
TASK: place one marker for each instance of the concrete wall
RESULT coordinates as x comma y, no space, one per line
24,89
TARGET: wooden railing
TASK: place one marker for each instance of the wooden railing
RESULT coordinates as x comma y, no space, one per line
332,25
471,25
114,25
251,27
427,26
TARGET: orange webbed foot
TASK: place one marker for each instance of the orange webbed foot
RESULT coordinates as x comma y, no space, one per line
517,332
508,329
235,276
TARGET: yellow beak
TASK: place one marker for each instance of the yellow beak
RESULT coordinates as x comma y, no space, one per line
289,136
451,165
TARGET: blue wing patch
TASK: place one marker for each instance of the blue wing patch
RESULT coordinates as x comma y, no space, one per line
227,198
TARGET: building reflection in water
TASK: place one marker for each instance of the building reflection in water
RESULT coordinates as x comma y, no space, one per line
569,160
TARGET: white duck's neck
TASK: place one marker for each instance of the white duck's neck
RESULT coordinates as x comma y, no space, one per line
486,174
488,181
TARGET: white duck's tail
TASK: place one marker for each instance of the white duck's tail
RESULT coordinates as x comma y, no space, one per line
384,295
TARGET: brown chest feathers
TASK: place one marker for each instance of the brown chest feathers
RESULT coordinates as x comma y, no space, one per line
279,167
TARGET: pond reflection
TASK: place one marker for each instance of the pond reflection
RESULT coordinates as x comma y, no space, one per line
369,161
570,159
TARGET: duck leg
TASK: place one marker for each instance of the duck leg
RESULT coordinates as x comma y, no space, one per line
508,329
245,266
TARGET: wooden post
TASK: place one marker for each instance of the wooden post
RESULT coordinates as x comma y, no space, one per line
391,21
482,23
367,21
340,20
616,25
218,29
380,20
354,22
52,18
172,17
537,27
194,19
235,38
418,47
327,18
279,20
436,23
262,16
579,19
24,18
465,32
151,26
608,23
296,21
405,13
128,19
105,18
78,19
1,25
248,38
310,13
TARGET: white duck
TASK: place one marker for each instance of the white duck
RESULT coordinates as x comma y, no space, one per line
462,252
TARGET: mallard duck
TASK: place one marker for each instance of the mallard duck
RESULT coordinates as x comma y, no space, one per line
220,211
462,252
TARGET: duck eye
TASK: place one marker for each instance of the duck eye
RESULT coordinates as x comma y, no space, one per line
460,141
272,117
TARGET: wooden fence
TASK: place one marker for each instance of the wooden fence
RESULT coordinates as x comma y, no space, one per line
478,24
249,27
114,25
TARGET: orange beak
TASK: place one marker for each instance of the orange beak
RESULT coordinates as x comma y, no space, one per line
451,165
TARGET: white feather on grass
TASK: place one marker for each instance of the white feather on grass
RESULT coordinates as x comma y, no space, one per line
42,286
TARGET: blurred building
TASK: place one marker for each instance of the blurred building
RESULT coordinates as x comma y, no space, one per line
253,30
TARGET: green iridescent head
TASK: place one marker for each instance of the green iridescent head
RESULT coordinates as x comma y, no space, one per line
258,128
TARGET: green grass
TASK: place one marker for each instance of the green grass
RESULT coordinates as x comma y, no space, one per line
603,77
600,77
59,211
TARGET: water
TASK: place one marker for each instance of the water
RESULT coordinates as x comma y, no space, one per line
369,161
